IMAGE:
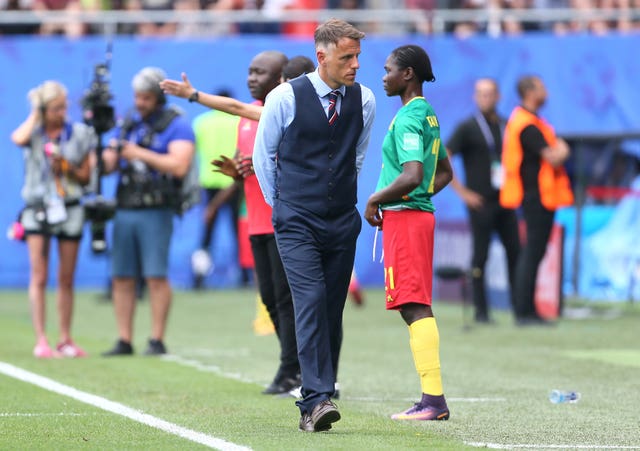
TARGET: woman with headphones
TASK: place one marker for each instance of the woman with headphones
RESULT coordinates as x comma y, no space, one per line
57,168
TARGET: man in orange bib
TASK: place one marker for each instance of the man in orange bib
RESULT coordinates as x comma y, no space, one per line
532,158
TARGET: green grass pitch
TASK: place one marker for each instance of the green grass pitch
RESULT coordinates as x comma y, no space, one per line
496,380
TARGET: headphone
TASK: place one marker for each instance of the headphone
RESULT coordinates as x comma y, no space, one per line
43,109
162,98
148,79
40,95
42,106
44,94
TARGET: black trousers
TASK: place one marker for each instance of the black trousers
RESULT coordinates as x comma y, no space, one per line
234,203
492,217
539,222
276,296
318,254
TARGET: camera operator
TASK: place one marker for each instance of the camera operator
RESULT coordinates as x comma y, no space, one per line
56,155
152,155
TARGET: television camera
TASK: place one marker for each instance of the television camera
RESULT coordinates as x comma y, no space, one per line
98,113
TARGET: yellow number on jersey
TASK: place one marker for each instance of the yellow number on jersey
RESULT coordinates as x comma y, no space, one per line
435,148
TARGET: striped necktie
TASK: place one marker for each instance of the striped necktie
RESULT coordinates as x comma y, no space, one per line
332,114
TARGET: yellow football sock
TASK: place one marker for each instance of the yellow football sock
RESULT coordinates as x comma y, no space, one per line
262,325
424,340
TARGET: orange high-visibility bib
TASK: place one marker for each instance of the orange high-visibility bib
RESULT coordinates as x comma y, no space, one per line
553,183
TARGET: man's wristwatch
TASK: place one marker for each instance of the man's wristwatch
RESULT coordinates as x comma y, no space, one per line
194,97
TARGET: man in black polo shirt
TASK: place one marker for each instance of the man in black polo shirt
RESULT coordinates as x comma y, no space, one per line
478,140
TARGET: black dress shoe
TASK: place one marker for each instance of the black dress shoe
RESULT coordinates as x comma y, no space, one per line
121,348
284,385
323,414
273,389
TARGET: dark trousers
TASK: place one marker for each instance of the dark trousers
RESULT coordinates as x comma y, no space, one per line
234,203
318,255
492,217
539,222
276,296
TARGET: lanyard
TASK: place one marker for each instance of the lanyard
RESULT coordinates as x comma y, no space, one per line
486,132
60,143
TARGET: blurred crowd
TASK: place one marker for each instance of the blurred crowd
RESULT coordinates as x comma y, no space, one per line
492,17
512,17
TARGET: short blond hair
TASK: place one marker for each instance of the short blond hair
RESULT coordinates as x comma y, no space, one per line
41,95
333,30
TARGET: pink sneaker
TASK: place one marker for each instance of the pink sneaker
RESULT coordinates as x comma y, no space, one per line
355,292
424,413
70,349
44,351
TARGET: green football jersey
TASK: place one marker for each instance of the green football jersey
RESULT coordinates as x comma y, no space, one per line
414,135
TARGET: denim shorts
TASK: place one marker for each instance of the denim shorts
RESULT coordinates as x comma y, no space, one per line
69,229
141,240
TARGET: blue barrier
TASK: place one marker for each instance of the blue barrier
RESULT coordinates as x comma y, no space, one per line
592,83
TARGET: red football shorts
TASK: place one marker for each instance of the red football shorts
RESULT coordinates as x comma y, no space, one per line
245,254
407,240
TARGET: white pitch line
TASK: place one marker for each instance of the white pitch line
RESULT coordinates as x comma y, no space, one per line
572,446
215,369
119,409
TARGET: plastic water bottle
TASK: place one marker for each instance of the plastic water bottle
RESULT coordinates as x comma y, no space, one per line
564,396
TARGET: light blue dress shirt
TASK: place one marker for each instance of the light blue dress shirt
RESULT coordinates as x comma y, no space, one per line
278,113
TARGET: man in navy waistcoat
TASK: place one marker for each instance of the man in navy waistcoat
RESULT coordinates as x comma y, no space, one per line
310,145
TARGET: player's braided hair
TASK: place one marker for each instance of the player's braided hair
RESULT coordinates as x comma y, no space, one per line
415,57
